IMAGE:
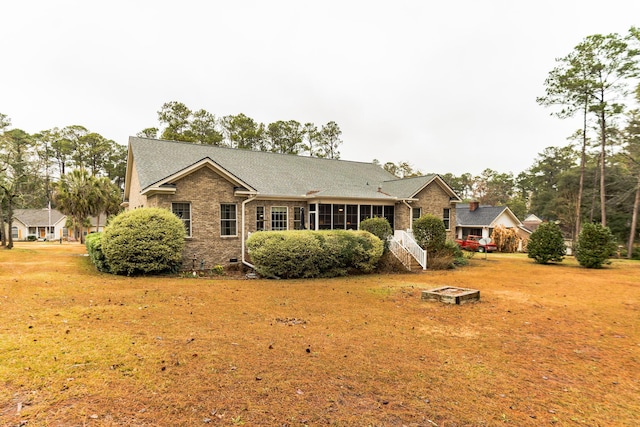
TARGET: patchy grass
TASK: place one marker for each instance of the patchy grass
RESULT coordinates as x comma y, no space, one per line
554,344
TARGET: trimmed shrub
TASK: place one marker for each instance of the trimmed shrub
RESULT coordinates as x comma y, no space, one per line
546,244
379,227
429,232
93,242
308,254
594,246
145,240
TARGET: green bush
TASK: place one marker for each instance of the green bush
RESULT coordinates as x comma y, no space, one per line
594,246
145,240
93,242
448,256
429,232
307,254
379,227
546,244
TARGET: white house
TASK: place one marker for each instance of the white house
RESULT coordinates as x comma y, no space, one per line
45,223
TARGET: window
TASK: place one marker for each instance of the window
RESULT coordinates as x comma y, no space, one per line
416,213
228,220
338,217
183,211
377,211
14,233
259,218
365,212
389,214
352,217
324,217
279,218
297,218
446,218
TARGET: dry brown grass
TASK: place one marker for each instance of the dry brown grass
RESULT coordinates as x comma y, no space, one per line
546,345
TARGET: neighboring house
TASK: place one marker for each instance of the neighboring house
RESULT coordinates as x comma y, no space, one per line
223,194
45,223
531,222
38,223
477,220
97,226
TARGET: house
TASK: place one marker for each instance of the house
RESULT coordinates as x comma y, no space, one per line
45,223
531,222
223,195
478,220
97,224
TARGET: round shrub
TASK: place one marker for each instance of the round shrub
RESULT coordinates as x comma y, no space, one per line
379,227
307,254
145,240
546,244
429,232
594,246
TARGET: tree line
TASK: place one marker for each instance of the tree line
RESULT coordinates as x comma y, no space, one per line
72,169
595,178
177,122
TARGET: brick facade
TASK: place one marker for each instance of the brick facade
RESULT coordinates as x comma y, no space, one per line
434,200
205,190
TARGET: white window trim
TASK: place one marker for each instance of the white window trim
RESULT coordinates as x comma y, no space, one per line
448,219
235,220
286,221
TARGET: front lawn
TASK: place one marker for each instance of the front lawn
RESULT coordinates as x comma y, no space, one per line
547,344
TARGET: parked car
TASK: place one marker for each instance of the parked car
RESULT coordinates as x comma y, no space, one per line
477,244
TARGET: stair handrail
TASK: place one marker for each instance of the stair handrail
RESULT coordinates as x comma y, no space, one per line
409,243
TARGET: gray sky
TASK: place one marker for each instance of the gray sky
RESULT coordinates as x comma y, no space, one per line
446,86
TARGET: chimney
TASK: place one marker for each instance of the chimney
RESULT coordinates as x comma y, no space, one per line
473,206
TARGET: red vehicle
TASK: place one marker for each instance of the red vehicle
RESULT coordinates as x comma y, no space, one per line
477,244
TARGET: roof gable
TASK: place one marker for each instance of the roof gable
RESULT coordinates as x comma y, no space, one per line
410,187
483,216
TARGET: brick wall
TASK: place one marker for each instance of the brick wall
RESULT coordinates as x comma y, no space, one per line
433,200
205,190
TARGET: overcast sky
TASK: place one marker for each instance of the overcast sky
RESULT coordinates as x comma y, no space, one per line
446,86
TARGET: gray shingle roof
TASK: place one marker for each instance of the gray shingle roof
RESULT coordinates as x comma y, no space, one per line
37,217
482,216
273,174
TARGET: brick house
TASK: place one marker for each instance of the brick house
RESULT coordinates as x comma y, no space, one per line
223,194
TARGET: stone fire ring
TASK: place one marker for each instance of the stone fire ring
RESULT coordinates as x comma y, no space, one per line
451,295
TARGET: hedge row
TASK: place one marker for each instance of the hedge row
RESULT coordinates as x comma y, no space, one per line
94,249
308,254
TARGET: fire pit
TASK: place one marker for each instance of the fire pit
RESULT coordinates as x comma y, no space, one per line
451,295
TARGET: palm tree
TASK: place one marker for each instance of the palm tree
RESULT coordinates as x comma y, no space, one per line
76,196
108,199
